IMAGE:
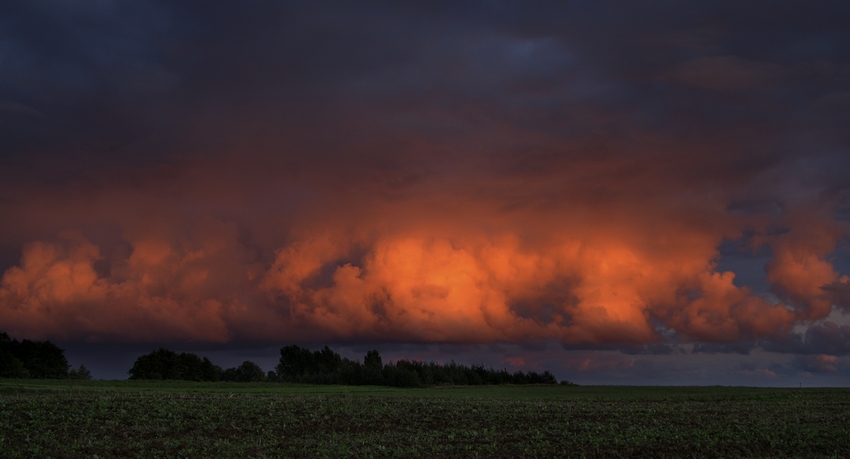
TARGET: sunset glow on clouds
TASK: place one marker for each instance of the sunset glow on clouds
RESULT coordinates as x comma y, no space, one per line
403,175
440,278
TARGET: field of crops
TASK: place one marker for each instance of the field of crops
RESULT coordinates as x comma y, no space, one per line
64,419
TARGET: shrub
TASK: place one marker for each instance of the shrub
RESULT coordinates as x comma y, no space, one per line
80,373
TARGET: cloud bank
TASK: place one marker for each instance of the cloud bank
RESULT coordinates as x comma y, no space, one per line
385,173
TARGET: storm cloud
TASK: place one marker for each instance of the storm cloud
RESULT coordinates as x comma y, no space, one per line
438,173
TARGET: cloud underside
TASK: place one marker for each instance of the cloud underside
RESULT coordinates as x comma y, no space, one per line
425,275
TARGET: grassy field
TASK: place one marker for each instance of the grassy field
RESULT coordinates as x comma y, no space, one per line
69,419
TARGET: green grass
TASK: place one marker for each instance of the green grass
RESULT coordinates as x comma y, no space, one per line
68,419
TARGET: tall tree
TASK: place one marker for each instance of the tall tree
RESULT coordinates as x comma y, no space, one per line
295,362
209,371
373,367
327,361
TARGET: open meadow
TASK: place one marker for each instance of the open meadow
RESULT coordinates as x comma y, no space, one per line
72,419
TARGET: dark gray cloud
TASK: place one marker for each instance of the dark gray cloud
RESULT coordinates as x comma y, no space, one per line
827,338
840,292
818,363
743,347
653,349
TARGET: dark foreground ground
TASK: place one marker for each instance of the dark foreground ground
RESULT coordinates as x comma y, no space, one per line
66,419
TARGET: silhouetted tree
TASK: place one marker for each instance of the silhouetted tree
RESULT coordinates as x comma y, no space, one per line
373,360
11,366
166,364
247,372
402,374
326,367
295,362
80,373
372,368
40,359
190,367
209,371
159,364
326,361
548,378
43,359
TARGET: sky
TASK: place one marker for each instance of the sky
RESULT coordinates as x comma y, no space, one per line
618,192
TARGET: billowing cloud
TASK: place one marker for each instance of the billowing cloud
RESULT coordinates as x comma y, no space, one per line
413,281
278,173
158,292
826,338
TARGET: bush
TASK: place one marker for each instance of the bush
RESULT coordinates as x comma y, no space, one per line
247,372
80,373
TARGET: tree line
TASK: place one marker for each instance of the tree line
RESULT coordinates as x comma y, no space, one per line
45,360
36,359
167,364
324,366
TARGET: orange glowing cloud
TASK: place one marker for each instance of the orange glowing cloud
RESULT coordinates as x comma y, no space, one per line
426,275
156,293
